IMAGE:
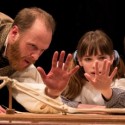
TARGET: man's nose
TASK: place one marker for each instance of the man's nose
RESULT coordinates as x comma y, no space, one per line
35,56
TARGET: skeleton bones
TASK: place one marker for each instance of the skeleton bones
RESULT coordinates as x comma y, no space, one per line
25,89
53,103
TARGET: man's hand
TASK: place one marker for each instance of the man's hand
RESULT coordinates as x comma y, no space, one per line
57,79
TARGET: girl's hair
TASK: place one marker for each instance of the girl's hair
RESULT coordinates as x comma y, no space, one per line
91,43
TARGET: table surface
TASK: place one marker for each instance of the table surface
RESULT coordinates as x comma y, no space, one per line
62,119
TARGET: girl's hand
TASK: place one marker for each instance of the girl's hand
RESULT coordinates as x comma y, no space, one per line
102,81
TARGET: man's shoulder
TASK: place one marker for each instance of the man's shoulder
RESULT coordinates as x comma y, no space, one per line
5,18
5,23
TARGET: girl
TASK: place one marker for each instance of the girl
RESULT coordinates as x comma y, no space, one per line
100,78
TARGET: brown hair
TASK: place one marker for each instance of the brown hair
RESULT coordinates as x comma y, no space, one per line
27,16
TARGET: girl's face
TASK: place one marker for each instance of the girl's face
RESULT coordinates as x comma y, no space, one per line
88,62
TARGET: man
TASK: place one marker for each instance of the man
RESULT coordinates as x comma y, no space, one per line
22,42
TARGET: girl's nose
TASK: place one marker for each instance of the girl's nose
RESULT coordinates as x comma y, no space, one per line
94,63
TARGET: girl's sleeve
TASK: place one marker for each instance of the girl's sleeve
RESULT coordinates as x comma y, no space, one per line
117,100
70,103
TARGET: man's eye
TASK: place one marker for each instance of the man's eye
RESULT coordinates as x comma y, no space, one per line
32,46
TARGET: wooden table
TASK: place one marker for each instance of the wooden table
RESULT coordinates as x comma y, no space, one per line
61,119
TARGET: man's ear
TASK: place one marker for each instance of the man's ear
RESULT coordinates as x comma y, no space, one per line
15,30
14,33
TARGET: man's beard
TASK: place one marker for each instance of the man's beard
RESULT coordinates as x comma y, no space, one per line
14,55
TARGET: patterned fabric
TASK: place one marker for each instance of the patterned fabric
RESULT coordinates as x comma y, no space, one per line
5,25
117,100
6,71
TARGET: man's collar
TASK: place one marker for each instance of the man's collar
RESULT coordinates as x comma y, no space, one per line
5,47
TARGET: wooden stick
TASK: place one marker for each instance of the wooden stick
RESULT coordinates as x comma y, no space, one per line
10,96
10,110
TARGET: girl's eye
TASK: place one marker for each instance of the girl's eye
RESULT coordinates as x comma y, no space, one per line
102,58
87,59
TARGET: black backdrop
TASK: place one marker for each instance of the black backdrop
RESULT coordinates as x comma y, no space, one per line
74,18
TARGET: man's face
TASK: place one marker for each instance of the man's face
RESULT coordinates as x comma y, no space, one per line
27,47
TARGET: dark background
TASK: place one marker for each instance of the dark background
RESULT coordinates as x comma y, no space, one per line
73,19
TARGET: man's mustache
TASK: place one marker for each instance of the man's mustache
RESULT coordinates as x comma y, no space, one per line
29,59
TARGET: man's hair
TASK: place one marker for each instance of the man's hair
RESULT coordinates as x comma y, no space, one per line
27,16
